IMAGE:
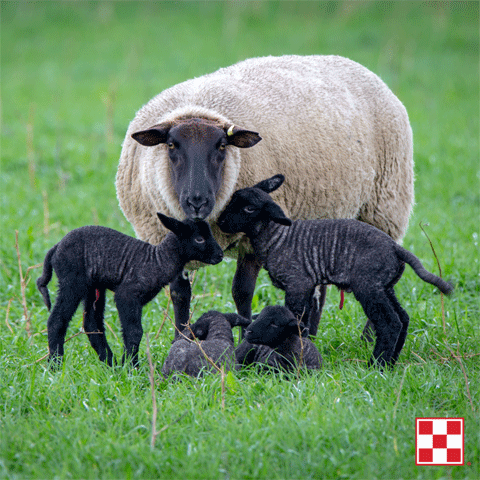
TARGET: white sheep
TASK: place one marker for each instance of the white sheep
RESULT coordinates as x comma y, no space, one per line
334,127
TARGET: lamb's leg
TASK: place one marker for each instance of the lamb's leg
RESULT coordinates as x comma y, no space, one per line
404,318
298,301
181,293
243,285
380,311
93,322
66,304
368,333
130,313
316,307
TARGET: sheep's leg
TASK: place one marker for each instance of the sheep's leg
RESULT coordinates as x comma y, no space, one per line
404,318
66,304
298,301
93,322
243,285
130,313
368,333
380,311
181,294
316,308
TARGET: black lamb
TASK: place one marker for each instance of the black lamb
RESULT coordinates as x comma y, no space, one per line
89,260
350,254
277,339
214,331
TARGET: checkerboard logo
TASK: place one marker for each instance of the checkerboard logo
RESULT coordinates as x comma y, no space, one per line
439,441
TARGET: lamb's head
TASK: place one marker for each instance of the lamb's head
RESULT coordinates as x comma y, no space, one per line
201,327
273,326
253,206
197,149
195,240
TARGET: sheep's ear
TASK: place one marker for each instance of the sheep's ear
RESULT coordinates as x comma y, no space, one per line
153,136
276,214
299,326
198,331
270,184
236,320
176,226
239,137
305,330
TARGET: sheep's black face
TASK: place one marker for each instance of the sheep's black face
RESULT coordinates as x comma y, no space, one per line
195,238
197,150
243,212
272,327
200,244
249,208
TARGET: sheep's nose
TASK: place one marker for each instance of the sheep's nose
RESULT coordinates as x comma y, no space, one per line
196,202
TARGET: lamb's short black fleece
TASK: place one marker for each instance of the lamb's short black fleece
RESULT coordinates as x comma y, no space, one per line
350,254
92,259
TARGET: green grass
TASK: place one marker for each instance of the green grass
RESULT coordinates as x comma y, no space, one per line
73,75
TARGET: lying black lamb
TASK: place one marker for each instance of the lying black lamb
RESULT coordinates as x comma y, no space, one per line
277,339
350,254
90,260
214,331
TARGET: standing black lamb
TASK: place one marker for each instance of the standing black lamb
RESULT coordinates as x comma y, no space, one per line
279,340
350,254
214,330
92,259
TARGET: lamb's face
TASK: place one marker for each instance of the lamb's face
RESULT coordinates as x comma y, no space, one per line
195,238
272,327
200,244
244,211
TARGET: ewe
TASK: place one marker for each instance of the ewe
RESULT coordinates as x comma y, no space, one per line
339,131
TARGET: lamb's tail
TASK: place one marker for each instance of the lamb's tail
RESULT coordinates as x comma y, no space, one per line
42,282
419,269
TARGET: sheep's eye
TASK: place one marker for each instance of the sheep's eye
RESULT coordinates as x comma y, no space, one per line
249,209
222,146
199,240
171,146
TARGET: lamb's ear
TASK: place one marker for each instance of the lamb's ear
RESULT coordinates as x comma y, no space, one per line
198,331
270,184
153,136
275,213
236,320
176,226
305,330
239,137
299,326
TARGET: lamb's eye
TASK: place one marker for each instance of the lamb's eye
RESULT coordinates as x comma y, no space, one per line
222,147
199,240
171,146
249,209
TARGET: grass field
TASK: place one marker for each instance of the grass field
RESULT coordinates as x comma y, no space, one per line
73,75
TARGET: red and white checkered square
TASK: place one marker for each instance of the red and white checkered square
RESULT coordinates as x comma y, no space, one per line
439,441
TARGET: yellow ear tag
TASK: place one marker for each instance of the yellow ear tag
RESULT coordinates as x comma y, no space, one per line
230,131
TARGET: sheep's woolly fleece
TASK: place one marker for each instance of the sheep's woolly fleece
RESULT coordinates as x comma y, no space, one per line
332,127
